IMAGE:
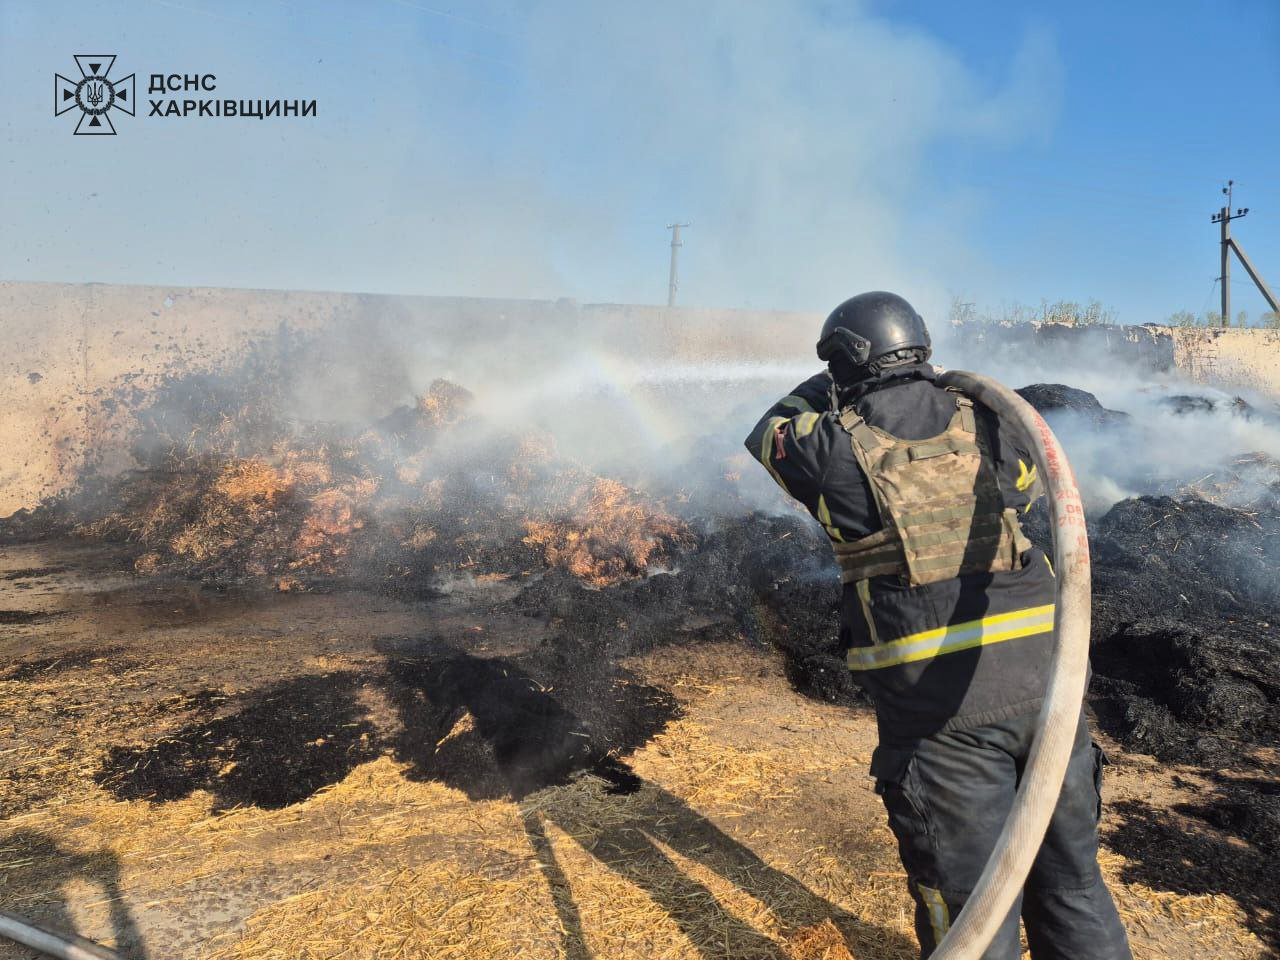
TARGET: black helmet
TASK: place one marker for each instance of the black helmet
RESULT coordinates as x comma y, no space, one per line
870,332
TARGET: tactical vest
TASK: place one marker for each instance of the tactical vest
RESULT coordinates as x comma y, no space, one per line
939,501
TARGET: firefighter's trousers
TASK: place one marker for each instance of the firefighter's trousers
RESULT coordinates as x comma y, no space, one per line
948,798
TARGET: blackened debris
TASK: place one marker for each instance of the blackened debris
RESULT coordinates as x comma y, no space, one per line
1185,558
1186,609
1058,397
1226,844
281,745
766,579
1184,403
505,727
51,666
15,617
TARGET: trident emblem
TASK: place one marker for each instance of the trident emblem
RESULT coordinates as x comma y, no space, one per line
94,93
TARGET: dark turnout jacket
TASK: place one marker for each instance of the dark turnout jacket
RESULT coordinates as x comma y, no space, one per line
944,655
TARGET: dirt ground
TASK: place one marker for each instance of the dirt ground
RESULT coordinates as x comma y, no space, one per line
190,773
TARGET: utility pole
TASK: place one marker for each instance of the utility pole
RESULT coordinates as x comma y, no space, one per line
673,279
1223,217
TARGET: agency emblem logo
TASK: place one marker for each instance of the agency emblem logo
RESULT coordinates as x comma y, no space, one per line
94,94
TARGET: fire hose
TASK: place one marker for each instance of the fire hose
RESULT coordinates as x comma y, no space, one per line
61,945
1019,842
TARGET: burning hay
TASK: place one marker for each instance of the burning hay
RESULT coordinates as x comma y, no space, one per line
611,535
247,497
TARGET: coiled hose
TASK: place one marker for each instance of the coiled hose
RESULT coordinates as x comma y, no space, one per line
1019,842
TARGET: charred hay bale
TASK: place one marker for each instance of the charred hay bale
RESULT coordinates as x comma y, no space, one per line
1145,726
1189,403
766,578
1186,648
776,575
1058,397
1160,557
1205,680
797,594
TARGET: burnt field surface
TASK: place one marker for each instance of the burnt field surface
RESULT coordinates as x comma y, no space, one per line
504,590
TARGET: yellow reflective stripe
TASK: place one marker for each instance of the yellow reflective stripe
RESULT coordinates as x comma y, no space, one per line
766,449
805,423
796,403
939,915
824,518
954,638
1025,477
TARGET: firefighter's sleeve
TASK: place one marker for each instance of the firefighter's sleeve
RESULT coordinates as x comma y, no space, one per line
1019,479
786,442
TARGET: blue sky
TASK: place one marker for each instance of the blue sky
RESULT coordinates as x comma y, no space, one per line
996,152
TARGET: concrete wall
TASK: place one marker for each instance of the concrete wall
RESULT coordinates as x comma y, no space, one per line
1232,358
1147,349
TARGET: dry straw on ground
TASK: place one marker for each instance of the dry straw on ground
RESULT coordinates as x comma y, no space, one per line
716,856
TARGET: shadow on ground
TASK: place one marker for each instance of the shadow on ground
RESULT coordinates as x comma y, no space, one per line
33,887
491,727
635,848
278,746
494,727
506,727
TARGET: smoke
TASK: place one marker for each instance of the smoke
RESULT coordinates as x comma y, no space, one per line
528,151
795,141
539,152
617,394
608,389
1169,435
1163,451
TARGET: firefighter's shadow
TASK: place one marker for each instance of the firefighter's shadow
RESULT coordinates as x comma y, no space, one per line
37,889
496,728
491,728
640,838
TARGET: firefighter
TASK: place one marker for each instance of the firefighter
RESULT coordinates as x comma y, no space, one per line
946,619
